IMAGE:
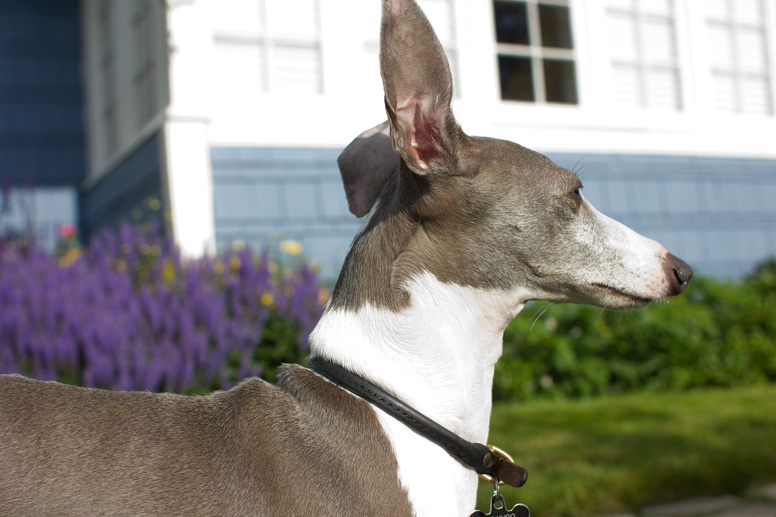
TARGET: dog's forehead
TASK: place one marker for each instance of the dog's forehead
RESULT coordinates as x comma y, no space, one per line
512,164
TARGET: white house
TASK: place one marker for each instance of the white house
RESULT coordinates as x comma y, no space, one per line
225,117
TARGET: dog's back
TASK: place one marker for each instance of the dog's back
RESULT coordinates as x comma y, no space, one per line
252,450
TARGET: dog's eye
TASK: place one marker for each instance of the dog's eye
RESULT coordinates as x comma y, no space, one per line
576,197
577,194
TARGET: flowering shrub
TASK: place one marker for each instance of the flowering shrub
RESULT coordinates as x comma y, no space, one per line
129,313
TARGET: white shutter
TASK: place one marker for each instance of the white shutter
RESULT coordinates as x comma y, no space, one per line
756,95
627,85
725,92
296,68
662,89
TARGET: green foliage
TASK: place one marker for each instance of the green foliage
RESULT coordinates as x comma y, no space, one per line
718,333
279,344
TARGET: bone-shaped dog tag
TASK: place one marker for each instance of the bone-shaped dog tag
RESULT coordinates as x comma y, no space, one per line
498,508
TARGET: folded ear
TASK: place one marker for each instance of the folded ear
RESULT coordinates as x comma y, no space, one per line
365,165
418,87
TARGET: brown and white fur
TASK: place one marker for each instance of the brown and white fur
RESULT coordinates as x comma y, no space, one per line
462,232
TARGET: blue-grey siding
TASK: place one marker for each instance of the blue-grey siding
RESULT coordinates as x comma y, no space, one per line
263,196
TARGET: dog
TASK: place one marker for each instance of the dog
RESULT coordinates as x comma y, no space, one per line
461,232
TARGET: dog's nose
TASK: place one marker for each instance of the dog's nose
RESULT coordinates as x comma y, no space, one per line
682,271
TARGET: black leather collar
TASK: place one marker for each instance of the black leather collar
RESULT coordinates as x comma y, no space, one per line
477,456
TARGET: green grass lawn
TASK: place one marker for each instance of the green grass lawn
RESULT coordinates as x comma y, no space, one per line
604,455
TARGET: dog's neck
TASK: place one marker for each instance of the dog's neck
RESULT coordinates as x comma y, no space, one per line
437,354
433,345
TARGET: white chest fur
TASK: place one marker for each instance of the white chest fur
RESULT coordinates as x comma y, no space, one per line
438,356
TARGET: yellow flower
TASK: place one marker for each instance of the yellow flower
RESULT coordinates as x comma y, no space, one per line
169,271
70,257
266,299
234,263
323,296
291,247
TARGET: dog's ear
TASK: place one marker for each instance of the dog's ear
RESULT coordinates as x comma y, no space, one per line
418,88
365,165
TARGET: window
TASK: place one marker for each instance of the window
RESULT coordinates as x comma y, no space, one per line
268,46
645,63
535,51
737,38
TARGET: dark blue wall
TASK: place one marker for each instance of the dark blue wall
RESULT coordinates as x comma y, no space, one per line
41,106
130,192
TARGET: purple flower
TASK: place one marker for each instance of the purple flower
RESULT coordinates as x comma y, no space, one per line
131,314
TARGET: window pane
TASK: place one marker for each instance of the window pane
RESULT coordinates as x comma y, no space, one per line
516,78
622,35
511,22
717,9
555,26
749,11
658,39
559,80
657,7
752,49
721,46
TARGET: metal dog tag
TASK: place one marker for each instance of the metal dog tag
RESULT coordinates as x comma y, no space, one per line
498,508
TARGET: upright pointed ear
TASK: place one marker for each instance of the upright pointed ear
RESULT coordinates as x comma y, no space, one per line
365,165
418,87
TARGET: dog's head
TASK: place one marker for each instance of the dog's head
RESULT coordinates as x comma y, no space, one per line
486,213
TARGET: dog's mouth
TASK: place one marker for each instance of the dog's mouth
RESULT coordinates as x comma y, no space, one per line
630,299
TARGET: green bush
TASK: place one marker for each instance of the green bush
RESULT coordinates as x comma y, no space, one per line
718,333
